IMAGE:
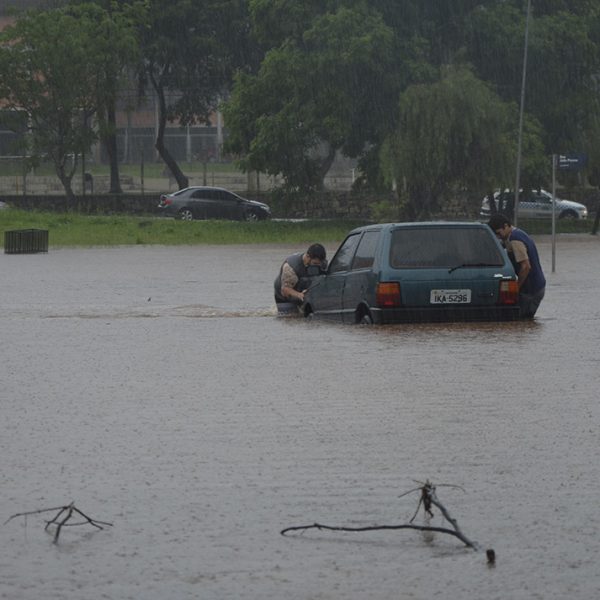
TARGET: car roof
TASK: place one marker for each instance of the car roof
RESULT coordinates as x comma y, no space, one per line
419,224
203,187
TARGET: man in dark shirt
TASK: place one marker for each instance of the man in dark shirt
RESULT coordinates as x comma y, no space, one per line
524,256
291,282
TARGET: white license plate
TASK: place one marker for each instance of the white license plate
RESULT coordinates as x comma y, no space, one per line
450,297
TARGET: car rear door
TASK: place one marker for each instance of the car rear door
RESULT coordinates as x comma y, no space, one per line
202,204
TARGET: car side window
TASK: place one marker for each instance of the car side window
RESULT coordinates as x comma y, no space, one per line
343,257
223,196
227,197
202,194
542,198
365,253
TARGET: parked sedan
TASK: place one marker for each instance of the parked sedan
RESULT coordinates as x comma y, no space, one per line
202,202
404,272
536,204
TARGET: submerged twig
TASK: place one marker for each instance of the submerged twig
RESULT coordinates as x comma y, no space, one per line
428,498
67,511
380,527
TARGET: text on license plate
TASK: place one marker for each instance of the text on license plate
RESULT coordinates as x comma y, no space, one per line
450,296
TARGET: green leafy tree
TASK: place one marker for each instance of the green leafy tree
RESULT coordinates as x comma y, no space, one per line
117,29
278,116
562,67
313,95
189,50
452,135
57,80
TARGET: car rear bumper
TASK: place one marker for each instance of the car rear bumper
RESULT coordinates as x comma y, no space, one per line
165,211
438,315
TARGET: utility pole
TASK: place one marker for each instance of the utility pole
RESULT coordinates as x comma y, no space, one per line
521,110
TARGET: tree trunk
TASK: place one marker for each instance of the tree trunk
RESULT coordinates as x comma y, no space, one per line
324,167
182,180
66,180
110,143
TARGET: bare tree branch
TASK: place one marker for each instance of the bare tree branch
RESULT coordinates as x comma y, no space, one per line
461,537
69,510
427,499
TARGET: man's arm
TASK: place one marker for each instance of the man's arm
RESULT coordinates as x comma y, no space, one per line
289,279
524,269
520,251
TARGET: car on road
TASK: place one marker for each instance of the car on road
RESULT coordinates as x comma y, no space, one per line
204,202
535,204
416,272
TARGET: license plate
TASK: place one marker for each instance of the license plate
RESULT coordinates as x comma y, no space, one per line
450,297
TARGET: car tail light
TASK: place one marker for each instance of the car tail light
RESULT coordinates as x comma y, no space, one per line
387,294
509,292
165,201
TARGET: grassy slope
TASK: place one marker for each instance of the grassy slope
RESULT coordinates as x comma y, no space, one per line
82,230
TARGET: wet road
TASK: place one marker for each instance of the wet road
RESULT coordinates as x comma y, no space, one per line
156,388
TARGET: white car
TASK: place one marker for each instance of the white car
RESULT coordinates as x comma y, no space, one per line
536,205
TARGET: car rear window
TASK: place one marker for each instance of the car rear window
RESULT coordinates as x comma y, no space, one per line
443,247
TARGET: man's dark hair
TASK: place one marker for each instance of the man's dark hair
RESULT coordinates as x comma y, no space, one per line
317,251
498,221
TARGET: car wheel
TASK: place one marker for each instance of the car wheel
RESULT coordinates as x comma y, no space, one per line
366,319
185,214
251,216
568,215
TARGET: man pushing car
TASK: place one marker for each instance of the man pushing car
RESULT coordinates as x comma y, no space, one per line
523,253
292,281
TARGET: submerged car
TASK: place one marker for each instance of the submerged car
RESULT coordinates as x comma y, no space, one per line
416,272
536,204
203,202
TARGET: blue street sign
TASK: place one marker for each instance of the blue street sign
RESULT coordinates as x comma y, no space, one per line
572,162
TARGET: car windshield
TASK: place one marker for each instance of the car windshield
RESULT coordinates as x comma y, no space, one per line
450,247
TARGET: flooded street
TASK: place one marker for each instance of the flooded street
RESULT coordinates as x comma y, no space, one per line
156,388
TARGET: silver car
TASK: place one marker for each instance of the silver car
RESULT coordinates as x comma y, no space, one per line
537,204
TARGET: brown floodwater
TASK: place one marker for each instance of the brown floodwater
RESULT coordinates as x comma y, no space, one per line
156,388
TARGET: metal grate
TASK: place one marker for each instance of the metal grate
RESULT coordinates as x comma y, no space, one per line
25,241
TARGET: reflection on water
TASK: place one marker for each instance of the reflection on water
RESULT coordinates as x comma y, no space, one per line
201,437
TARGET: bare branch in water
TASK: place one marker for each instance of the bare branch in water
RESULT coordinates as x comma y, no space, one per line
66,512
428,499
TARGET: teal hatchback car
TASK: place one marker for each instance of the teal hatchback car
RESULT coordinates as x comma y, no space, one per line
416,272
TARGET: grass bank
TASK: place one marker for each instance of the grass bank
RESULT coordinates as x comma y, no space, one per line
83,230
71,229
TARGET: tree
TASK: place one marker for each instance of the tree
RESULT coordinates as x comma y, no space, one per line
188,51
118,45
563,63
313,94
453,134
57,79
